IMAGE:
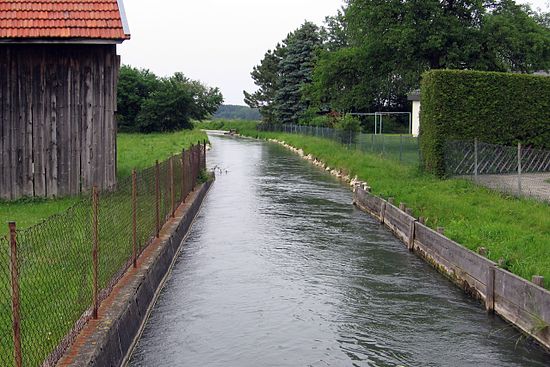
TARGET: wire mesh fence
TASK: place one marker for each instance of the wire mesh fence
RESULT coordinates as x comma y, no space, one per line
399,147
515,170
54,275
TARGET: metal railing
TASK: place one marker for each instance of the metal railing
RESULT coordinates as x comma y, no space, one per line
402,148
54,275
517,170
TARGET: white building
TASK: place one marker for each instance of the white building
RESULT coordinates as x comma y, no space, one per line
415,98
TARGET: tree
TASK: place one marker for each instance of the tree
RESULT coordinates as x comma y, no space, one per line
176,101
516,41
295,70
334,32
392,42
134,87
266,76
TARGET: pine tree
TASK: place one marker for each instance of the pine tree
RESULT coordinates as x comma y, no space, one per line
295,72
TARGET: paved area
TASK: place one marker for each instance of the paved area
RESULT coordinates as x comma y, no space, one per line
536,185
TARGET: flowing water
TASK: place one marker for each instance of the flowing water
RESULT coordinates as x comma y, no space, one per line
281,270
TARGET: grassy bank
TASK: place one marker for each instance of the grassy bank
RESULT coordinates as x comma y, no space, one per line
516,230
134,151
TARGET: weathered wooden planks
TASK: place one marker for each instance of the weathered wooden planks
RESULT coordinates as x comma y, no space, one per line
517,300
58,133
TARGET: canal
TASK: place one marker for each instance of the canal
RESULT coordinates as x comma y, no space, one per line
281,270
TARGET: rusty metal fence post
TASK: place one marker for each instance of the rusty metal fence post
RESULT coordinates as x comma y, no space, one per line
134,218
193,167
204,154
95,250
183,176
15,298
172,194
157,197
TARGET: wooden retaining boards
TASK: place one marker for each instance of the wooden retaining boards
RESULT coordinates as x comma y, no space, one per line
516,300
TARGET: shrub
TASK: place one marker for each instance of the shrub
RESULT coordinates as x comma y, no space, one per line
498,108
349,123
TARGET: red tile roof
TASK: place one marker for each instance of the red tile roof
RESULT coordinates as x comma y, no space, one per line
62,19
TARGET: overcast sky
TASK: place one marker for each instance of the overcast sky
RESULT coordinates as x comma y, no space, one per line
217,41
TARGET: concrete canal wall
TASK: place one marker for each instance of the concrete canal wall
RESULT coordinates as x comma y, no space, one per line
108,340
518,301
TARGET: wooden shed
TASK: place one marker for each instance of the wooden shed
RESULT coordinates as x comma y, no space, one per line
58,77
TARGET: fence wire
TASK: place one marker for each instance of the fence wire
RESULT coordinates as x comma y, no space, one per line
514,170
55,262
402,148
6,345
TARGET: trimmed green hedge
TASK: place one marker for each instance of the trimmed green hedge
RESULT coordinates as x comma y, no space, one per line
498,108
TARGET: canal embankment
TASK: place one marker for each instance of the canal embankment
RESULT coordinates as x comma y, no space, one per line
520,302
523,303
106,341
514,232
281,270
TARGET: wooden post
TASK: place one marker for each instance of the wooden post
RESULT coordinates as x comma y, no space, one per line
172,194
95,250
538,280
483,251
383,212
490,289
134,218
157,196
412,234
15,297
183,176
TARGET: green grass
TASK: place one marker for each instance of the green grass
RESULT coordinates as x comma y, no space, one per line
239,125
141,150
517,230
134,151
55,254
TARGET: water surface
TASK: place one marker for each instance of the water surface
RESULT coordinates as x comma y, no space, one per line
281,270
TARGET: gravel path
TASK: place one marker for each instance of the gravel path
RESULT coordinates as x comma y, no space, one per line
533,184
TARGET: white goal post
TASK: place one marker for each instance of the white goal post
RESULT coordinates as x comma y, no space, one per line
379,119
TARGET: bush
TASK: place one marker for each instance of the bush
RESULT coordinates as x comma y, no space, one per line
498,108
147,103
349,123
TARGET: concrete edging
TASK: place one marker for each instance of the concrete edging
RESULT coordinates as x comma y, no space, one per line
108,340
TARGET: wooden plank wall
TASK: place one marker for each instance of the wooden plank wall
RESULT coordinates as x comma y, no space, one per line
517,300
58,132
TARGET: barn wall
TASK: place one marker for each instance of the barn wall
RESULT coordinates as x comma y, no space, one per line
58,132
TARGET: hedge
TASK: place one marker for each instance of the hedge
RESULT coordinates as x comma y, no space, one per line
497,108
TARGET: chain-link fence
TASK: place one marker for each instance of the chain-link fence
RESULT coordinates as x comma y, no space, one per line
54,275
515,170
399,147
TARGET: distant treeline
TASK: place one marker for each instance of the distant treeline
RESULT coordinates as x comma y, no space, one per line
235,112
